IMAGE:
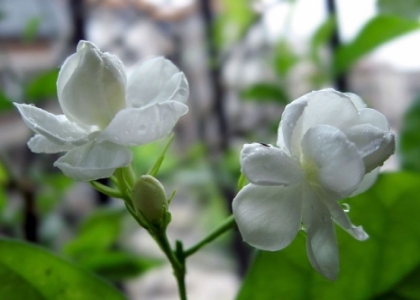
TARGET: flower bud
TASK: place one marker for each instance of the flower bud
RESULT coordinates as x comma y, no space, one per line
149,198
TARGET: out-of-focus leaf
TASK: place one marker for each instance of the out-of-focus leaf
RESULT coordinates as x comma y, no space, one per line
117,266
31,29
266,92
5,102
285,58
376,32
409,9
29,272
410,138
321,37
97,233
233,21
51,191
389,213
42,86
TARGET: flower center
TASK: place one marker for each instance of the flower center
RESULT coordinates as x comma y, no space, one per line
310,170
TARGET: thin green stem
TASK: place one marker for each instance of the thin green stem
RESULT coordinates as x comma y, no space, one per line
228,224
109,191
178,265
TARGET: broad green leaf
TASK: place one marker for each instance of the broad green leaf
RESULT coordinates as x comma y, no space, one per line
409,9
5,102
264,92
410,138
42,86
285,59
30,272
31,29
378,266
97,233
376,32
117,265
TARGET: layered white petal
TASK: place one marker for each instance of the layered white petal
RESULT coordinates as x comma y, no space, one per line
325,107
384,151
93,91
356,100
289,119
93,161
367,182
267,165
40,144
138,126
153,80
268,217
58,129
341,218
339,166
321,243
373,117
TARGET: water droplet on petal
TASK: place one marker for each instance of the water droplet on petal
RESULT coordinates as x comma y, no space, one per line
346,207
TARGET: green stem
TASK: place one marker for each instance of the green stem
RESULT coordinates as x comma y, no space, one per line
178,265
228,224
109,191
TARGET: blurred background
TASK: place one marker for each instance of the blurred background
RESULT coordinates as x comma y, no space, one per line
245,60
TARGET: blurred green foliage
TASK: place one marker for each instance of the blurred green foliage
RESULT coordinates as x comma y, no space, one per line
380,267
29,272
377,31
31,29
266,92
42,87
409,9
409,141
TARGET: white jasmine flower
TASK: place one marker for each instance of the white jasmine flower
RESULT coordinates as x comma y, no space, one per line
329,147
105,112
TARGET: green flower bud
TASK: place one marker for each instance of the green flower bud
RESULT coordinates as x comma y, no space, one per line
149,198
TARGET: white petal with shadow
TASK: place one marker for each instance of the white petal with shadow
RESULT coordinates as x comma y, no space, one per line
268,217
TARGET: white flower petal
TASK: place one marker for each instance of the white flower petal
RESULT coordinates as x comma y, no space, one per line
374,145
289,119
339,165
368,180
378,157
341,218
356,100
325,107
373,117
58,129
176,89
150,78
40,144
93,161
268,217
321,243
138,126
267,165
93,91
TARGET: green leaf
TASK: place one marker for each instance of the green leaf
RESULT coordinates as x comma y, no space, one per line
117,265
410,138
42,86
376,32
30,272
233,21
97,233
285,59
265,92
5,102
321,37
389,213
31,29
409,9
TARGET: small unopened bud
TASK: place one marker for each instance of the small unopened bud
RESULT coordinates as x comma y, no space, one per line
149,198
